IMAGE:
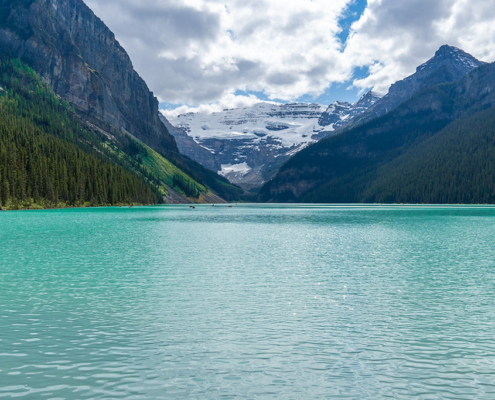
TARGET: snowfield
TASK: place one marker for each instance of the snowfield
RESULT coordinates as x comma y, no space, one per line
248,145
290,124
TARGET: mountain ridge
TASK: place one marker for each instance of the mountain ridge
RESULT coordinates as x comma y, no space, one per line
449,64
340,168
247,145
339,113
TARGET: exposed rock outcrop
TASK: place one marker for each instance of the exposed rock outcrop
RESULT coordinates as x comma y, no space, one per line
190,148
448,65
339,113
75,52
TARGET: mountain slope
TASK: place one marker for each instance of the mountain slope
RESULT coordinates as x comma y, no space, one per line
456,166
74,52
79,57
344,167
190,148
448,65
47,159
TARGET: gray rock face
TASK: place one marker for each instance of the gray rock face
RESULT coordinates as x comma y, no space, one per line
335,113
190,148
448,65
339,113
74,52
248,145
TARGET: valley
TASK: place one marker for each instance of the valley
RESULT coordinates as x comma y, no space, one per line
249,145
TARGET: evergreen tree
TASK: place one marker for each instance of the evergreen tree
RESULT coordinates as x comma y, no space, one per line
48,158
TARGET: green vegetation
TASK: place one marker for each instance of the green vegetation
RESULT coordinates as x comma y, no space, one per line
50,158
47,159
166,171
188,188
220,185
456,166
435,148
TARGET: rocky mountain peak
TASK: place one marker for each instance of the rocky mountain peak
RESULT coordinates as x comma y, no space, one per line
448,65
339,112
451,51
368,99
456,60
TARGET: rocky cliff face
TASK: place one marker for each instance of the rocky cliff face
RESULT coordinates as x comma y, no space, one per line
74,51
190,148
338,113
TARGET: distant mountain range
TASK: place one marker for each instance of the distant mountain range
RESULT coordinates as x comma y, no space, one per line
340,113
248,145
436,144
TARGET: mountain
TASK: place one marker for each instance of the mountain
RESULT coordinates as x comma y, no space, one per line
338,113
422,152
248,145
79,57
455,166
48,159
189,147
448,65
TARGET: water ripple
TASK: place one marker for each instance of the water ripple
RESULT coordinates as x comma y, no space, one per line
248,303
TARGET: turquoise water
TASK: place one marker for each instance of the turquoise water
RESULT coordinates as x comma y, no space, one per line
248,303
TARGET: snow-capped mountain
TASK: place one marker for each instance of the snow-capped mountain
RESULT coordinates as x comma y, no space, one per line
338,113
247,145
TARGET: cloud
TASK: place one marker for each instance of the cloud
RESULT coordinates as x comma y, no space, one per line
228,100
202,51
394,37
196,51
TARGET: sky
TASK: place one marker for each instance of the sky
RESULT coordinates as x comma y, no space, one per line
207,55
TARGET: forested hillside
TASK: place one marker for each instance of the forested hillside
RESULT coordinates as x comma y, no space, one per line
73,51
456,166
48,158
390,159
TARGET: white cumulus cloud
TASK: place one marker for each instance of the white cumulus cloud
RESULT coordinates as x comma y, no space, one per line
201,52
394,37
228,100
196,51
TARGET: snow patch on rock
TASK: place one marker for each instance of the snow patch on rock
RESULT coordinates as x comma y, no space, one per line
239,169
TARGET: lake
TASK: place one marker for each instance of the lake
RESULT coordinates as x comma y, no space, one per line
249,302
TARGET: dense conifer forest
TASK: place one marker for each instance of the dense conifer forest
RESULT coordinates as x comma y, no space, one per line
48,159
455,166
